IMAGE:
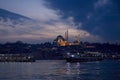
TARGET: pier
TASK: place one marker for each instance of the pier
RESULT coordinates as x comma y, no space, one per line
16,58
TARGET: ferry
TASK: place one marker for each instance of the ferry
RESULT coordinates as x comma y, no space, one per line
83,56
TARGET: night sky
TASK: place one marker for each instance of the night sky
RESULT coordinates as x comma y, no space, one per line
94,20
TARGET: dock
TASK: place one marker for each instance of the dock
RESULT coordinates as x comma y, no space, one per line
16,58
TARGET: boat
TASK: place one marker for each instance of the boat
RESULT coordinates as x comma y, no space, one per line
83,56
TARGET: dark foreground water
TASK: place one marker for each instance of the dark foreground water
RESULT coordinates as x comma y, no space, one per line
60,70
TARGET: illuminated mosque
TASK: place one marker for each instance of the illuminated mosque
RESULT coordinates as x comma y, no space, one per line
61,41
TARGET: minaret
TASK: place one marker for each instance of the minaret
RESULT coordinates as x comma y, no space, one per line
66,35
78,38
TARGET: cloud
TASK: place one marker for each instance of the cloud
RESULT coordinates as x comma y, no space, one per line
49,24
36,9
100,3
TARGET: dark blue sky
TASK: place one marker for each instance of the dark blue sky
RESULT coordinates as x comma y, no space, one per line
94,20
100,17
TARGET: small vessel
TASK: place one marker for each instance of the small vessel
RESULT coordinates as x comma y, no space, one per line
83,56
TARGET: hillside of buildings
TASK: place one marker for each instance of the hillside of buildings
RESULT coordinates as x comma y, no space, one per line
52,51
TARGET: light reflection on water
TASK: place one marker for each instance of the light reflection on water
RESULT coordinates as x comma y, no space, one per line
72,69
60,70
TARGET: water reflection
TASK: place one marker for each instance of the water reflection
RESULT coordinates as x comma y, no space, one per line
60,70
68,70
80,69
72,68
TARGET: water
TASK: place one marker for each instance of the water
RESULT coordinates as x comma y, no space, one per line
60,70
